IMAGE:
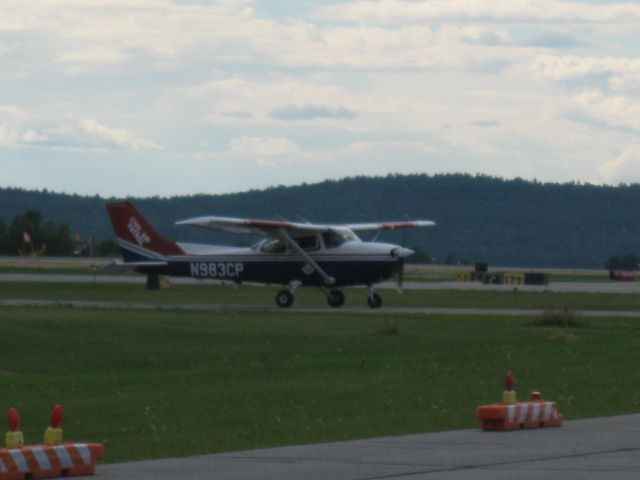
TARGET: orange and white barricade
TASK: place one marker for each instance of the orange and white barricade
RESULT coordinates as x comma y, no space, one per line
49,461
513,416
53,459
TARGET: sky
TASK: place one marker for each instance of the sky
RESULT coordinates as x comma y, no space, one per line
174,97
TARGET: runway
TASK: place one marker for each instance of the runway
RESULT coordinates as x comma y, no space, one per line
560,287
588,449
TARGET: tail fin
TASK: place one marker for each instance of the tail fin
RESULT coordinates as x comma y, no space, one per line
132,230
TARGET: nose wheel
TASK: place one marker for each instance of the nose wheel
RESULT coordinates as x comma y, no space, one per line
284,298
374,300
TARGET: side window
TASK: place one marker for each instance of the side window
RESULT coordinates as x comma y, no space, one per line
308,243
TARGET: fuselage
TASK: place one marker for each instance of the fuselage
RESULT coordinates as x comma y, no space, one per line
349,261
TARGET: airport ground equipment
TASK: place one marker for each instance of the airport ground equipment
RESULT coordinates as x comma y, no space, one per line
513,415
52,459
503,278
621,275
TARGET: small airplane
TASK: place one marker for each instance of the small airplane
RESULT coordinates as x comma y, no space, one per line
329,257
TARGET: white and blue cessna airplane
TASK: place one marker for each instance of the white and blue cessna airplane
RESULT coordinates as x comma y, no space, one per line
292,254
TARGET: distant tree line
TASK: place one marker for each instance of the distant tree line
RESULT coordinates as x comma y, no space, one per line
629,262
30,234
502,222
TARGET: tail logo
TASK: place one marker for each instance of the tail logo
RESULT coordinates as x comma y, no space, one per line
135,229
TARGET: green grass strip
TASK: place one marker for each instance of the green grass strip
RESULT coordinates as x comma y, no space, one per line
152,384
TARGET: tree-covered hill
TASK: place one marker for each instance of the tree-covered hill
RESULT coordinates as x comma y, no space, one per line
480,218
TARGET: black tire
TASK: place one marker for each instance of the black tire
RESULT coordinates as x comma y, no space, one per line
284,298
335,298
374,300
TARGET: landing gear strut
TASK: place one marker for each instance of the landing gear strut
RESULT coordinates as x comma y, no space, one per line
284,298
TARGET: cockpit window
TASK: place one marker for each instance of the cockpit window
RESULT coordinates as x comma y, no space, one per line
332,239
348,235
308,243
274,246
335,238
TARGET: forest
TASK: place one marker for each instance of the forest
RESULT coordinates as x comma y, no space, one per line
29,234
504,222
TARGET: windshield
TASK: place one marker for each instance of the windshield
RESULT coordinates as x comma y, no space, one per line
334,237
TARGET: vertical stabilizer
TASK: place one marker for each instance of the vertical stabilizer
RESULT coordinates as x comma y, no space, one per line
131,227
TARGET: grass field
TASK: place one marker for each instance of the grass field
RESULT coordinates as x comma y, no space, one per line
250,295
168,383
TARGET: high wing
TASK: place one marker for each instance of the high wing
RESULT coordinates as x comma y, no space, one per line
376,227
273,227
260,227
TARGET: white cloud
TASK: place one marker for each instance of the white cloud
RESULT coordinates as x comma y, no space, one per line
624,168
81,36
114,137
571,67
263,146
244,100
625,82
310,112
11,111
20,128
79,39
615,111
7,137
403,11
83,61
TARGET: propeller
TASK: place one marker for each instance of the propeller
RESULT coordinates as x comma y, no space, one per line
401,253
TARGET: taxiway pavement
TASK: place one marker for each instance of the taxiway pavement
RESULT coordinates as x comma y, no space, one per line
587,449
569,287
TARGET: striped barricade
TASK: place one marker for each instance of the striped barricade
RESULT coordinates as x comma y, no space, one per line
514,416
45,461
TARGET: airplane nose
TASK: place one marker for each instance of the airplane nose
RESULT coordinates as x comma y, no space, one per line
402,252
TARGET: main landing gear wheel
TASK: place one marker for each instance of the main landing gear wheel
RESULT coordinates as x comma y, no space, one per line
335,298
374,300
284,298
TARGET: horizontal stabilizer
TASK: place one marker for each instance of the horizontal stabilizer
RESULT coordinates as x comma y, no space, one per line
119,265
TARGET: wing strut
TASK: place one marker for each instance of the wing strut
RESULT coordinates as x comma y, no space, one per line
327,279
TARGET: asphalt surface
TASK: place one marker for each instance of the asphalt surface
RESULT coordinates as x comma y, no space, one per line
612,287
587,449
574,287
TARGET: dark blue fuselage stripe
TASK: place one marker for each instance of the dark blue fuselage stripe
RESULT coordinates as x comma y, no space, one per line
352,272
